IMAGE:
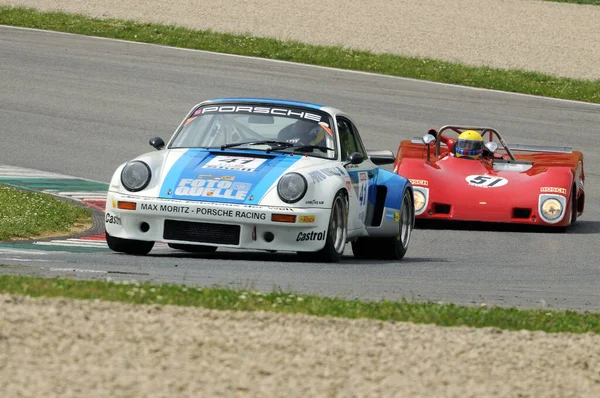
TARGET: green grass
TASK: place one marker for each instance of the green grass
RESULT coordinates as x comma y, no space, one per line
282,302
27,214
418,68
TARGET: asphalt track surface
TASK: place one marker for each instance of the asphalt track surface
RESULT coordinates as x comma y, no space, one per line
80,106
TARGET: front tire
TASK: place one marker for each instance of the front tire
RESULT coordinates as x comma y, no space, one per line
337,231
193,248
129,246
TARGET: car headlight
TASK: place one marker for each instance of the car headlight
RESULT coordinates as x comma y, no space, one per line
551,209
135,176
420,200
292,187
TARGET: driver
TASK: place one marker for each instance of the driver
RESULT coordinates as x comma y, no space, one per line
469,145
303,132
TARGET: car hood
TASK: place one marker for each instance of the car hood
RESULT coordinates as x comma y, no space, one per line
237,177
451,177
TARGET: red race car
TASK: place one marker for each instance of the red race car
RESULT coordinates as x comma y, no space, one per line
458,175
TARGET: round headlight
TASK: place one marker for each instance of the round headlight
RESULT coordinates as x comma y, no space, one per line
419,200
135,176
551,209
292,187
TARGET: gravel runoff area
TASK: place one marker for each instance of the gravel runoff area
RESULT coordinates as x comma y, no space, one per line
556,38
73,348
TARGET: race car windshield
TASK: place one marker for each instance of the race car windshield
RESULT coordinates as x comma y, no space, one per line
258,128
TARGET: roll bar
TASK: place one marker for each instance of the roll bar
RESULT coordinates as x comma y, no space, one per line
480,130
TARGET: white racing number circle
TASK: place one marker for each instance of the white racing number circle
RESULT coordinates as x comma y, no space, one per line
486,181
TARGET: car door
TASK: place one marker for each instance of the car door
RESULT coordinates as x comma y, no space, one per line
362,176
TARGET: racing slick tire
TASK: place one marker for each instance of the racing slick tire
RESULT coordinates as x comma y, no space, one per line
389,248
129,246
572,211
193,248
337,231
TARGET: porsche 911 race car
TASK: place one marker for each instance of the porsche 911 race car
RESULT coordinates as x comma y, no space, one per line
468,179
261,174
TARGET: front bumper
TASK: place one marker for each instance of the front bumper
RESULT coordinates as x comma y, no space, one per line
216,224
498,211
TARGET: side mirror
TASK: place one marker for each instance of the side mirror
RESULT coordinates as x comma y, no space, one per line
157,143
355,158
381,157
491,146
428,139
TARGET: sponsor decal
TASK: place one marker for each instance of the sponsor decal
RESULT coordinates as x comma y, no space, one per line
165,208
237,163
215,212
322,174
212,188
314,202
363,194
306,219
111,219
392,215
259,109
215,177
311,236
204,211
486,181
249,215
419,182
553,190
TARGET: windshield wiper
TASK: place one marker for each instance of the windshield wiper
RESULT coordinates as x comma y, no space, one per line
303,148
267,142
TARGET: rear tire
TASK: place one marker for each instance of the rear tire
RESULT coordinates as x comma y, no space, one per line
129,246
337,231
389,248
193,248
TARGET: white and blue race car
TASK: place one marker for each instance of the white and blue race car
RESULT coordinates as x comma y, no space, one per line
262,174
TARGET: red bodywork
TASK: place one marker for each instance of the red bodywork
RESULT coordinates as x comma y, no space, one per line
515,190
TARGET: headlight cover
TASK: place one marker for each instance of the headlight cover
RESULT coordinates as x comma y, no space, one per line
551,209
135,176
292,187
420,199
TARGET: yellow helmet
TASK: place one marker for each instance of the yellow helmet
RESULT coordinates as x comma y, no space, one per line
469,144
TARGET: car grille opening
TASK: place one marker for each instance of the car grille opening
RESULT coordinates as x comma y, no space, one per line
202,232
519,212
441,208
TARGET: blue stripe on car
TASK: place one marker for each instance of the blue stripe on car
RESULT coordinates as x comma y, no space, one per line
261,188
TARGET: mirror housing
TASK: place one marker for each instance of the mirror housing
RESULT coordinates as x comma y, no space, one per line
157,143
381,157
428,139
491,146
355,158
